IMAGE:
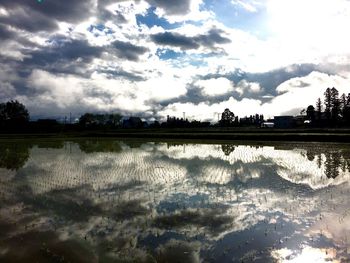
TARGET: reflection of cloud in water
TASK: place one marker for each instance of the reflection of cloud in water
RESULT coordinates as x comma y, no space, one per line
57,169
42,246
112,199
307,254
179,251
294,164
215,220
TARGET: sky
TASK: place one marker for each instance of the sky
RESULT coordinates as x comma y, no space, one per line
153,58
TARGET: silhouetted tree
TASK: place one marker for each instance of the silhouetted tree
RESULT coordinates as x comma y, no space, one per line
310,112
319,108
335,104
346,110
342,102
13,116
114,119
227,118
86,120
100,120
13,111
328,103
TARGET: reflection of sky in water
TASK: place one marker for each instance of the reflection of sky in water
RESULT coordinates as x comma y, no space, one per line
105,200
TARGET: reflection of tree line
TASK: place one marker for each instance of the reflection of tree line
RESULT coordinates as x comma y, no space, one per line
14,155
335,160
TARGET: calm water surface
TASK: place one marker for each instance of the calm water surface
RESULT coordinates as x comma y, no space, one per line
130,201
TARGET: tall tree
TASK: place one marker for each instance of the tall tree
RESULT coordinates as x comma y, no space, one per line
227,118
342,104
310,112
346,110
335,104
319,108
328,103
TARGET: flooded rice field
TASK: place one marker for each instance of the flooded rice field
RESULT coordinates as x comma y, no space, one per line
131,201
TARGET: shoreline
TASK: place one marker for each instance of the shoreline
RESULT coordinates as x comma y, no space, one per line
293,135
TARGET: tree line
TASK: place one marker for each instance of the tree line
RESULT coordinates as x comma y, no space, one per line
334,111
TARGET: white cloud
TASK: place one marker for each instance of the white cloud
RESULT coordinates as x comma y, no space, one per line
215,86
313,29
194,13
204,111
7,91
221,86
69,92
248,5
295,94
298,93
299,32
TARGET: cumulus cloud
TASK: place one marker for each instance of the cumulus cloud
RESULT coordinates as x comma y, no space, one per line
212,87
38,16
183,10
186,56
58,94
297,93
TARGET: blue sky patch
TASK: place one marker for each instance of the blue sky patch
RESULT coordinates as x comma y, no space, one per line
166,54
151,19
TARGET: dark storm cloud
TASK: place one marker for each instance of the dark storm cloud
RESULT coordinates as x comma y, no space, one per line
209,40
62,56
128,51
175,40
105,14
178,7
37,16
213,37
120,73
29,20
5,33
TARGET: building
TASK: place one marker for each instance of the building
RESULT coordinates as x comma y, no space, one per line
267,124
284,122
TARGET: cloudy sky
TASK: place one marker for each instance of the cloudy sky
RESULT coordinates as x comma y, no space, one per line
154,58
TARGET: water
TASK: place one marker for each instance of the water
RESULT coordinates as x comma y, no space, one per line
132,201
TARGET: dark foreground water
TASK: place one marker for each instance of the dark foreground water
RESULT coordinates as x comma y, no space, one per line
128,201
